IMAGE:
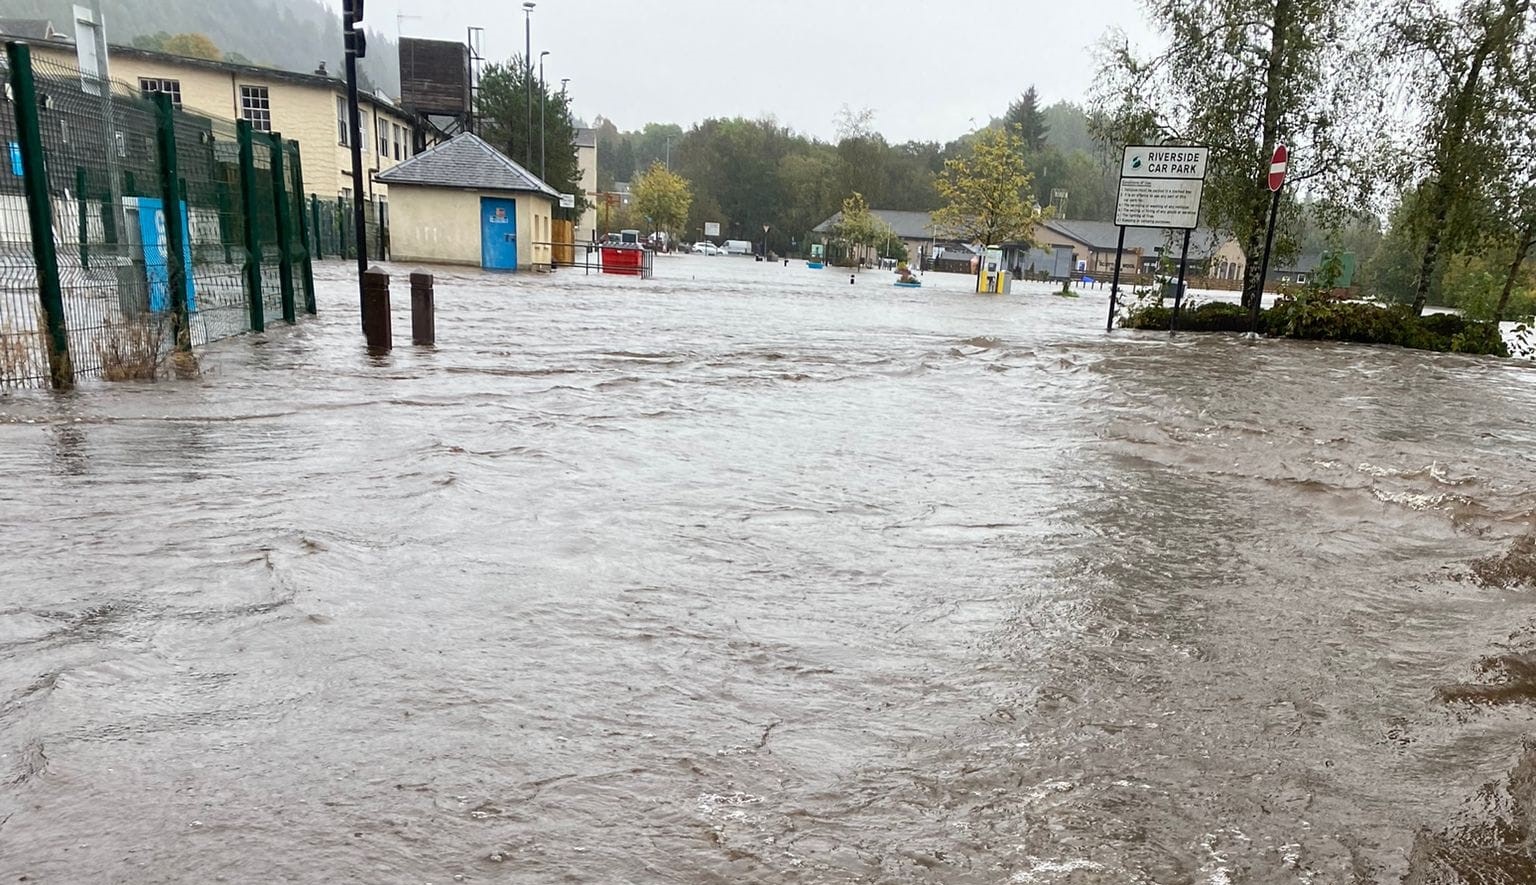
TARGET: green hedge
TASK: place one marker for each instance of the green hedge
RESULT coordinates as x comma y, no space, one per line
1321,319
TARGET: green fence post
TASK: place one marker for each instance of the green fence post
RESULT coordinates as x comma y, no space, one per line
314,225
284,227
81,207
29,138
247,136
307,268
108,221
176,271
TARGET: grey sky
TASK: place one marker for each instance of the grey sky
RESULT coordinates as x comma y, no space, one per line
926,68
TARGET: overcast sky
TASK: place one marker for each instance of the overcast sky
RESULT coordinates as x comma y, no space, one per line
927,69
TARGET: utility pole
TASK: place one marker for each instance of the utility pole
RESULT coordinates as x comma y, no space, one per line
543,101
356,48
528,75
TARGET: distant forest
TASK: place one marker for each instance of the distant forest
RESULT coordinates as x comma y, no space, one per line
747,172
295,35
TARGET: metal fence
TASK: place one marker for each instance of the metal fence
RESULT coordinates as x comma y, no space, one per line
89,256
331,225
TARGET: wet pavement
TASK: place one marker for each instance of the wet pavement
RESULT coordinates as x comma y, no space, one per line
746,574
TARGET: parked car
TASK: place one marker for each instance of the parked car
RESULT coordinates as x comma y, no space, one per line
704,248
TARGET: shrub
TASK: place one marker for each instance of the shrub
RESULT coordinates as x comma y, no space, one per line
1213,316
1323,319
131,349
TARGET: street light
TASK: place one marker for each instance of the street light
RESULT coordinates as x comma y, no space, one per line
765,242
528,63
543,169
564,82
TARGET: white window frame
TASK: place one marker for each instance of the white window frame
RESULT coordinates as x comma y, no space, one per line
381,129
343,122
170,86
257,108
398,132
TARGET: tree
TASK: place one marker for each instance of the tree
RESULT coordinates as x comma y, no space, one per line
189,45
859,227
503,108
1242,76
662,197
1462,59
987,195
1025,116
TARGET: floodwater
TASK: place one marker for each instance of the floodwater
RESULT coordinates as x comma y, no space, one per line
746,574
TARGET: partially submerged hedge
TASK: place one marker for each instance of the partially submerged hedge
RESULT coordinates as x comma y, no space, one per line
1320,319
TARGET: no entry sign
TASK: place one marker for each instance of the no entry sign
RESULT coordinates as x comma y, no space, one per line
1277,165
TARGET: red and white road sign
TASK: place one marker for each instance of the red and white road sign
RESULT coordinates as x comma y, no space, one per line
1277,165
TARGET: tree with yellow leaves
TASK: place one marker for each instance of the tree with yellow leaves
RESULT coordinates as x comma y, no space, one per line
662,197
988,199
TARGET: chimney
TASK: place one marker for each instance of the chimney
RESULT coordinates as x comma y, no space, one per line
321,70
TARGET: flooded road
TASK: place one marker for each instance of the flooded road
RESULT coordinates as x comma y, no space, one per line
749,575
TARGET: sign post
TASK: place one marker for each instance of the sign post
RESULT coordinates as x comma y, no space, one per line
1160,186
1277,167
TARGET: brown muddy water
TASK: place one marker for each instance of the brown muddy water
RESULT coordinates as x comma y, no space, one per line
749,575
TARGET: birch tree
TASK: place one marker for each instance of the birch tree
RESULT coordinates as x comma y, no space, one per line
1467,71
1241,76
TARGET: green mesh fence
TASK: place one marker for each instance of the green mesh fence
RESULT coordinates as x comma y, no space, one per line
104,162
208,161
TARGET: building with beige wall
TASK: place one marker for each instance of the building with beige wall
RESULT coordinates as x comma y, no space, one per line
464,202
1094,244
310,108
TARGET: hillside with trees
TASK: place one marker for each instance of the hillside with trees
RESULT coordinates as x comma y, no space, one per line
746,173
295,35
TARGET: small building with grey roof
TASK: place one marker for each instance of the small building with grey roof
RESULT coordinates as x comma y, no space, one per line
464,202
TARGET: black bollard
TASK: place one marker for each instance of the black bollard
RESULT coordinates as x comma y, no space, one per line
423,310
376,327
850,279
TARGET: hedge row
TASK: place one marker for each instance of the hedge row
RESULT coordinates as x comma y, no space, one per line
1328,320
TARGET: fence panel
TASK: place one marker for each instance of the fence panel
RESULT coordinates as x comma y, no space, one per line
103,165
266,231
208,154
116,292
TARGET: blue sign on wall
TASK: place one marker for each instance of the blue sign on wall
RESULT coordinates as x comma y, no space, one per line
156,253
16,159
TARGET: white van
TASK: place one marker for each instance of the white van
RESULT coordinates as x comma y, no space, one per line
737,247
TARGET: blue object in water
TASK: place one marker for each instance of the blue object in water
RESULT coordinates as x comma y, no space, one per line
915,284
814,265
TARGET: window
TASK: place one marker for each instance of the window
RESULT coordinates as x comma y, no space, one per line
383,125
362,129
399,154
150,85
342,118
256,106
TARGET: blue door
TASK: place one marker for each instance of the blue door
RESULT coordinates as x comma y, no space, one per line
498,234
